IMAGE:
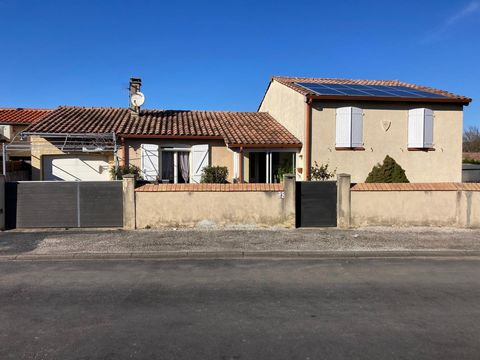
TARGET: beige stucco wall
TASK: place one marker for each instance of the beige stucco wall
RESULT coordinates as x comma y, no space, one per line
220,154
288,108
157,209
415,208
42,147
442,165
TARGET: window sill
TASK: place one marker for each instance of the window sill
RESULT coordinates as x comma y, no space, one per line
421,149
350,148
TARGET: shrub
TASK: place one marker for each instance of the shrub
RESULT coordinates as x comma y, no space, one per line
214,175
468,160
281,171
124,170
388,172
321,172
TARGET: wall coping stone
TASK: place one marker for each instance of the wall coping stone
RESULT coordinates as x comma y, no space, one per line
416,187
210,188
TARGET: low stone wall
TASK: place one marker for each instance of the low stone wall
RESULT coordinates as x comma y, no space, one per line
433,204
190,204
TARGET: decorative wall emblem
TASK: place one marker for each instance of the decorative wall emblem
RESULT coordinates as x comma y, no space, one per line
386,124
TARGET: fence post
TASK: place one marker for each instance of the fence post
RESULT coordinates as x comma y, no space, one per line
344,201
2,202
129,202
289,190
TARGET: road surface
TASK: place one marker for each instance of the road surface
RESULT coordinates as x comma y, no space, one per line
241,309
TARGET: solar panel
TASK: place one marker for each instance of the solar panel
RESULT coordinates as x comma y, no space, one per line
368,90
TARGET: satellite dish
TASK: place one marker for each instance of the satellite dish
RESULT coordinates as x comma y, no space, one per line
137,99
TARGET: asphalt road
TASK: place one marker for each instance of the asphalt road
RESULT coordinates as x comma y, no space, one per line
241,309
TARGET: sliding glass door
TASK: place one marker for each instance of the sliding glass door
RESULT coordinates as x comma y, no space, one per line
270,166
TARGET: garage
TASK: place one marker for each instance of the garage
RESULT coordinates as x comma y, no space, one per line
75,167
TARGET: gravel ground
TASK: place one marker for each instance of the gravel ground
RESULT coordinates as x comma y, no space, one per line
240,238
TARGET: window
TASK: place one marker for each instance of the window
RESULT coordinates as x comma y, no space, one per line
420,129
174,164
270,166
349,128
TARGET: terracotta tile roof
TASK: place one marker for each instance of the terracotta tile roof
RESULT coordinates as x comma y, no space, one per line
236,128
73,119
172,123
22,116
416,187
290,82
210,188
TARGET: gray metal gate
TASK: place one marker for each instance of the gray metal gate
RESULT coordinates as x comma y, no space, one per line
316,203
35,204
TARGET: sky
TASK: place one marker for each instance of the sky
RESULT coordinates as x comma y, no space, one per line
220,55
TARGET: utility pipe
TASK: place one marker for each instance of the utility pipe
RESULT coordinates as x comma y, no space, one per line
308,137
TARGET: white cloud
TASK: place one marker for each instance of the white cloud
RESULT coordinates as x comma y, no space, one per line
469,9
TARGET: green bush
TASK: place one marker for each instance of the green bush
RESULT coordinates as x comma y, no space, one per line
468,160
121,170
388,172
321,172
214,175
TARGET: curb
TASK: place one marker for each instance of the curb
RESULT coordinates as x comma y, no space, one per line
254,254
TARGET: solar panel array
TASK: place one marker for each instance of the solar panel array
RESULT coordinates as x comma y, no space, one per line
368,90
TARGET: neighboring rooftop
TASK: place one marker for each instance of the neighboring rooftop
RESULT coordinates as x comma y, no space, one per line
235,128
368,90
21,116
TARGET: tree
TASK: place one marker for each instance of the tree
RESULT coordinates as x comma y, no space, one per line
471,139
388,172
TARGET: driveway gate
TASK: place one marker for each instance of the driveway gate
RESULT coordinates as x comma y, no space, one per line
35,204
316,203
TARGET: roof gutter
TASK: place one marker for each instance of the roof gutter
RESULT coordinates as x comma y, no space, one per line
178,137
395,99
265,146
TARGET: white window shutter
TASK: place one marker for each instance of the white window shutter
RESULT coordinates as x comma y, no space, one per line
343,127
428,129
415,128
357,127
150,168
200,159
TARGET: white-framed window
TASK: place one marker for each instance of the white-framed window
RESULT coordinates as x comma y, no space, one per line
174,164
349,127
269,166
420,128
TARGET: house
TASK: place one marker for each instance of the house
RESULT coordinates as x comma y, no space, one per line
84,143
353,124
13,121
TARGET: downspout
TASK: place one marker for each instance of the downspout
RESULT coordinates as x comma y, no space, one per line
122,151
240,165
308,137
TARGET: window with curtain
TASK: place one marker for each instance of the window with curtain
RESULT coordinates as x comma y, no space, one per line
175,166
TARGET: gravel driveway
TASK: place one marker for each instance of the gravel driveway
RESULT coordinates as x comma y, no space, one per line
236,239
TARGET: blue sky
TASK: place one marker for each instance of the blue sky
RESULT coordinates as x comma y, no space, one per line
219,55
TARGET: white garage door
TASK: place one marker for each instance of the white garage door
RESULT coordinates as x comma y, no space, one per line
76,168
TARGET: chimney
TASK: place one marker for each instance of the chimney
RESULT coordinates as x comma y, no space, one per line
134,87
